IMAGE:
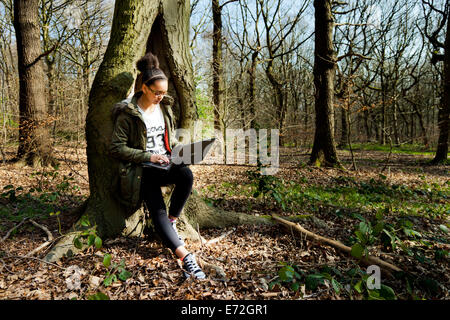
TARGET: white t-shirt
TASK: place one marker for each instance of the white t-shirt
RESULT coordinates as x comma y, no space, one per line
155,130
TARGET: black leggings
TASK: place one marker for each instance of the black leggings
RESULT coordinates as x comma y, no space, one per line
179,175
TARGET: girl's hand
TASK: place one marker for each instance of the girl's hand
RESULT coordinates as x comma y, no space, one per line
159,158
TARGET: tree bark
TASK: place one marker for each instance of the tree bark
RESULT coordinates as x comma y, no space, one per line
444,110
252,89
344,129
324,149
217,64
34,139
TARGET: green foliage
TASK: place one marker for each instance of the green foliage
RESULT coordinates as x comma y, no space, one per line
98,296
288,275
205,110
274,189
404,148
378,231
354,281
115,271
374,195
87,238
42,201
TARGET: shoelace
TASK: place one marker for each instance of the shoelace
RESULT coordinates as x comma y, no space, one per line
191,265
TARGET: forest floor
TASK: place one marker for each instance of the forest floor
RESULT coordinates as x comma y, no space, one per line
396,209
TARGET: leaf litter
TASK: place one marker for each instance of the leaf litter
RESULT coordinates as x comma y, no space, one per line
250,256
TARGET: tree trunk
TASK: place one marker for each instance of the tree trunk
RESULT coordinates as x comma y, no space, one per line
132,34
444,110
34,140
324,149
366,126
395,123
252,90
279,100
383,111
344,129
217,64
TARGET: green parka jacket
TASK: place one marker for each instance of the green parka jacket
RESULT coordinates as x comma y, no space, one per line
129,145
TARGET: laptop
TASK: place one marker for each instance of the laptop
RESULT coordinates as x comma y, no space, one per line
192,153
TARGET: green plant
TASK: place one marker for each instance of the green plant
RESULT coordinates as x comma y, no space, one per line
293,277
288,275
354,280
273,188
87,237
115,271
98,296
56,214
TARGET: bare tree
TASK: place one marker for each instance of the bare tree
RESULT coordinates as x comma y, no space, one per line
217,58
434,38
34,143
277,32
324,149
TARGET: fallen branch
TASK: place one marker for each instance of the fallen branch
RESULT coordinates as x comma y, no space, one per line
45,244
49,234
369,260
212,241
12,229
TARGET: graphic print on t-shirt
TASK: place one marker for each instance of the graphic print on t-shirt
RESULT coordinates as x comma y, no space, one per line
155,130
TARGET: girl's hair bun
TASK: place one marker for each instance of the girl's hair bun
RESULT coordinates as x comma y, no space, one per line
148,62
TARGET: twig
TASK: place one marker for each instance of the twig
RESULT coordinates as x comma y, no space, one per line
14,228
336,244
199,236
46,243
25,257
49,234
212,241
270,294
292,233
4,267
314,294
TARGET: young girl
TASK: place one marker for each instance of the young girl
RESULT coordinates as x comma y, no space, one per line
144,131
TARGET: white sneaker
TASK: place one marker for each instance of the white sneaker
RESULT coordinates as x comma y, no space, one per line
190,267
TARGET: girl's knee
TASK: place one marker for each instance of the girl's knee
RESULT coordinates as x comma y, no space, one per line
186,174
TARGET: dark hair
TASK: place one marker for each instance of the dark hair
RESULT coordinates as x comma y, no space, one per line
149,69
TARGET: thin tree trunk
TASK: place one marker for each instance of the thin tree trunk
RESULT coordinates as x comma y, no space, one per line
252,89
383,111
279,101
366,126
344,129
217,64
395,123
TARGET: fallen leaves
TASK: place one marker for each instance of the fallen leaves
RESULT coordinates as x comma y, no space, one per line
248,256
